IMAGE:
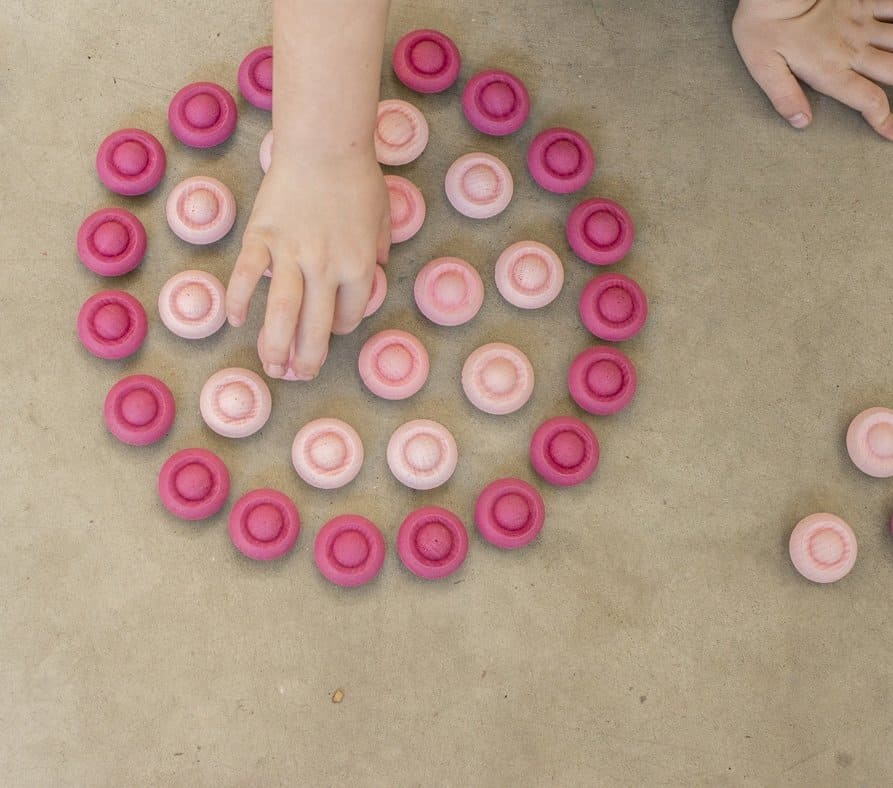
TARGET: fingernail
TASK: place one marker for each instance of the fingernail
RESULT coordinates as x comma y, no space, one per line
234,321
274,370
301,373
799,120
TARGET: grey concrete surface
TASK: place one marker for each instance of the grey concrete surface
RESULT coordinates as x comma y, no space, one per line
655,634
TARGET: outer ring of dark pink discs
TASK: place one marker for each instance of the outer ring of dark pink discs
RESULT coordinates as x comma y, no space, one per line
118,264
418,80
254,93
597,324
413,559
545,176
194,136
589,400
476,111
139,434
207,506
543,463
342,575
119,348
581,244
131,185
249,545
490,528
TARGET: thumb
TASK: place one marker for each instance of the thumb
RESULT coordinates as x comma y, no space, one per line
771,72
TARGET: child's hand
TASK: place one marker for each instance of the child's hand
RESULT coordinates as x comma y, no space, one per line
321,226
839,47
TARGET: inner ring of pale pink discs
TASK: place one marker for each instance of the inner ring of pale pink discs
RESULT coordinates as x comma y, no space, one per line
394,363
395,128
235,400
880,439
422,452
327,451
192,301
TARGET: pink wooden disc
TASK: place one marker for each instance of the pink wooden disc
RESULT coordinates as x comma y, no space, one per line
111,242
407,208
112,324
191,304
432,542
497,378
401,133
255,77
201,210
529,275
393,364
139,410
193,484
422,454
349,550
479,185
448,291
264,524
327,453
823,548
235,402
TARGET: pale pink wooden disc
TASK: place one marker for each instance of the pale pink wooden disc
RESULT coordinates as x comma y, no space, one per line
422,454
327,453
497,378
191,304
235,402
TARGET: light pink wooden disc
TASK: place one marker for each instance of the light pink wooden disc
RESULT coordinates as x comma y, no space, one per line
497,378
191,304
407,208
201,210
448,291
529,275
401,133
479,185
823,548
869,442
422,454
327,453
393,364
235,402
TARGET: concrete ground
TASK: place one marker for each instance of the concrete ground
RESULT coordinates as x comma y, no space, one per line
656,632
